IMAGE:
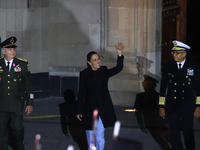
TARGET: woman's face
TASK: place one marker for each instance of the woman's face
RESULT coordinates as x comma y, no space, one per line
95,62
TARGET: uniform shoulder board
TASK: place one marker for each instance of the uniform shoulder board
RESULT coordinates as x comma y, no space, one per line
22,59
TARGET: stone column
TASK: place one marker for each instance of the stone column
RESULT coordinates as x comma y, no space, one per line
137,24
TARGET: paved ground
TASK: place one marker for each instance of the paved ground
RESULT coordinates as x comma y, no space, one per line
52,138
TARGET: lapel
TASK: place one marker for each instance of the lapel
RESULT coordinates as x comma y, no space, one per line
182,73
183,70
185,65
174,67
4,66
11,69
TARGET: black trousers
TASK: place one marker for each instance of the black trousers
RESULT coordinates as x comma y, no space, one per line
182,122
11,128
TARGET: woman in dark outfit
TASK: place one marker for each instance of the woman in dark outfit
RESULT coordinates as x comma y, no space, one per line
93,94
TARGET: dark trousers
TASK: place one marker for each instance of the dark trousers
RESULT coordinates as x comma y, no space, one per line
182,121
11,128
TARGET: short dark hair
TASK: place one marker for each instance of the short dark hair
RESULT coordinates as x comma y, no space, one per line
89,56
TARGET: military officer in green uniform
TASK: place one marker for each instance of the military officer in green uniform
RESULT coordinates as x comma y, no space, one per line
179,97
14,84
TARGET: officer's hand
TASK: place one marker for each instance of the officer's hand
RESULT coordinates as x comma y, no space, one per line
79,116
162,112
197,112
29,109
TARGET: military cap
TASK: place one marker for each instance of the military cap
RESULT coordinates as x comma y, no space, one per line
9,42
179,46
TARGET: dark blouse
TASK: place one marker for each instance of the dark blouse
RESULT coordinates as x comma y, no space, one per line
93,94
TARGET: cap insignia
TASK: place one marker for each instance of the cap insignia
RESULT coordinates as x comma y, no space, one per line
12,40
175,44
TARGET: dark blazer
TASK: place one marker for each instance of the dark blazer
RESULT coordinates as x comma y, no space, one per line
93,94
13,85
180,87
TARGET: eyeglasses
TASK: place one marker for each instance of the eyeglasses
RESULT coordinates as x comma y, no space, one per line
176,53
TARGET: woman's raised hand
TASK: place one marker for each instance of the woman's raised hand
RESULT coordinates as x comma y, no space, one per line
119,47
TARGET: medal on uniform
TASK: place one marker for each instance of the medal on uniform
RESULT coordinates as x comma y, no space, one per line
17,68
1,70
189,80
190,72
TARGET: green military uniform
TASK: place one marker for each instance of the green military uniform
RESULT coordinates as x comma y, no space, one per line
14,84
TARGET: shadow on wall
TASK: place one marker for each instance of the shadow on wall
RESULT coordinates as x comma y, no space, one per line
144,66
60,29
61,37
147,114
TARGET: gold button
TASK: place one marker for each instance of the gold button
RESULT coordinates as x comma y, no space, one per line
174,90
182,97
183,83
8,75
172,75
8,81
8,93
174,97
15,80
22,98
183,91
175,83
8,87
186,76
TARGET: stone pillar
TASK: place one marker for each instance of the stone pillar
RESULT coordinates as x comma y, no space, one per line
137,24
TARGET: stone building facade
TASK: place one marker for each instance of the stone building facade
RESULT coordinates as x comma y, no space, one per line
55,37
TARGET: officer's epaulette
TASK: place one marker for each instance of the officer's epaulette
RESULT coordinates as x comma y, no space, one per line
22,59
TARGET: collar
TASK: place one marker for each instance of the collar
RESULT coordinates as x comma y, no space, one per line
182,63
11,61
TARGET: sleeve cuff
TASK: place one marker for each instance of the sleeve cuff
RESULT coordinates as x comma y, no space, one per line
30,102
122,56
161,101
198,100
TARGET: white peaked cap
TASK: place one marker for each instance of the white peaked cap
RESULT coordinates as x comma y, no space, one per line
180,44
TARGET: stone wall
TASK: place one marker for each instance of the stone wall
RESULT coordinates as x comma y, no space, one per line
60,33
52,32
137,24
